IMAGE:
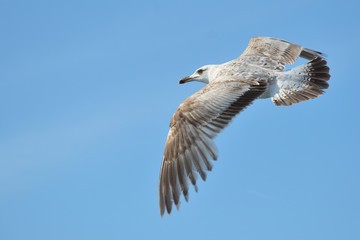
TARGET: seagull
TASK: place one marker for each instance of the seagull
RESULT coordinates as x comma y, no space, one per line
231,87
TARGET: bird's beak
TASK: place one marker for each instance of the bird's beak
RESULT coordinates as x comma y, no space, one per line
185,80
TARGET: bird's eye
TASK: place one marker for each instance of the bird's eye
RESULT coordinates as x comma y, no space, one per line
200,71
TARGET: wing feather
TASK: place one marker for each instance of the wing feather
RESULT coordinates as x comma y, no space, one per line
275,53
189,147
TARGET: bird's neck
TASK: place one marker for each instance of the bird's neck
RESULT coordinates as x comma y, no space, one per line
213,72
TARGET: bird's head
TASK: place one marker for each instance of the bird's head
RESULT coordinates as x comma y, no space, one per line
200,75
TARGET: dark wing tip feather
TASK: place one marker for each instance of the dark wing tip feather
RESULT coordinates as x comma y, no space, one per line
311,54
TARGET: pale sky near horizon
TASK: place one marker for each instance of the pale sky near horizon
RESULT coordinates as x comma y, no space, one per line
87,91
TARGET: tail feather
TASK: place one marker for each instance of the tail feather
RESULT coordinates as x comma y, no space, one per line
302,83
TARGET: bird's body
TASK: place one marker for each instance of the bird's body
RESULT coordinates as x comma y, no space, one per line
231,87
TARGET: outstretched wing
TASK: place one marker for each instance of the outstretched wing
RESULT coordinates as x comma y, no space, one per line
189,146
275,53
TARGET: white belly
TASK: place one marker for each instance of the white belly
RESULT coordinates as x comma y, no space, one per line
272,88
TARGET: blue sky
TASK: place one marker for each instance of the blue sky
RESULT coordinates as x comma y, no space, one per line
87,90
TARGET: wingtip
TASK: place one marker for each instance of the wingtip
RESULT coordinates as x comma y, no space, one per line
312,54
177,206
162,211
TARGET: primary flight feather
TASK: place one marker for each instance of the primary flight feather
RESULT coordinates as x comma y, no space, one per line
231,87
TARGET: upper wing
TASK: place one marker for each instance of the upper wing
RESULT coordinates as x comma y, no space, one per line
275,53
189,145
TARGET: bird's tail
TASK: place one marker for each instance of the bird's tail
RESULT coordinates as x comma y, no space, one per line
302,83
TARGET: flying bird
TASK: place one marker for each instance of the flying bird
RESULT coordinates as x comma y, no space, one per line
231,87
